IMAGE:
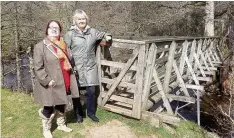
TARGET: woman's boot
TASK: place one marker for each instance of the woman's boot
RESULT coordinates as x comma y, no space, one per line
46,124
61,122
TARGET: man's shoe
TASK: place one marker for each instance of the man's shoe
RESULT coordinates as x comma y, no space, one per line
94,118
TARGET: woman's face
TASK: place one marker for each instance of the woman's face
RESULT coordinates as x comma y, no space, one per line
81,21
53,29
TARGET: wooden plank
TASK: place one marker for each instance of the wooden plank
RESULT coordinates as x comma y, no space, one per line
204,61
209,68
164,117
116,64
116,109
164,59
162,92
209,59
212,55
197,87
192,51
209,79
206,72
199,65
198,54
190,69
130,86
137,104
119,78
184,53
128,41
181,98
169,66
180,79
119,98
148,75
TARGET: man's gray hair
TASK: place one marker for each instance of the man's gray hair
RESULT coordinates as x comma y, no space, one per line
79,12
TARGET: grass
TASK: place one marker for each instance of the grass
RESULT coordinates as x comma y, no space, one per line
20,119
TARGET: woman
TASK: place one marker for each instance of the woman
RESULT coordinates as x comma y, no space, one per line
54,79
82,41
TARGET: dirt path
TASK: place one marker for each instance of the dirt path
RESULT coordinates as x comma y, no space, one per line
113,129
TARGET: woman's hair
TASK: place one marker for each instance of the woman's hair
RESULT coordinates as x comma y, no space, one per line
48,25
79,12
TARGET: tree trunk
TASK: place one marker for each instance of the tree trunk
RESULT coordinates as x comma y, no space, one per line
209,21
17,55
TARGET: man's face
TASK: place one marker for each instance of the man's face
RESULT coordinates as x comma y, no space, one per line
81,21
53,29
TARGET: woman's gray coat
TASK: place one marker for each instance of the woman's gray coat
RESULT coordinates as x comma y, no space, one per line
82,46
47,68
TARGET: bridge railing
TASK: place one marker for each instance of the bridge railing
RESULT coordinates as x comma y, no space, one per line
140,77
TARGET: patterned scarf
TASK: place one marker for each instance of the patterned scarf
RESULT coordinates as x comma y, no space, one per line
60,53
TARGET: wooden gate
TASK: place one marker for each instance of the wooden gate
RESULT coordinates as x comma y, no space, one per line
155,72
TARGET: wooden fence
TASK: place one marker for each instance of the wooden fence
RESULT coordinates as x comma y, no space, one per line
146,75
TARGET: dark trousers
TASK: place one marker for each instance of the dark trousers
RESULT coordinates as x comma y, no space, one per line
48,110
91,100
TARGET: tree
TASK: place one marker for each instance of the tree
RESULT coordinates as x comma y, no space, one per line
209,19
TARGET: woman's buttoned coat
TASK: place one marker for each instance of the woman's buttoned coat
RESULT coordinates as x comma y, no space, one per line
82,46
47,68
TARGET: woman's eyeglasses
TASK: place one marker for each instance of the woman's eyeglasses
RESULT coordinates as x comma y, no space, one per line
54,28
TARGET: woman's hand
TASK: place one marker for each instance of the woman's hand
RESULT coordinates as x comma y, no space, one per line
52,83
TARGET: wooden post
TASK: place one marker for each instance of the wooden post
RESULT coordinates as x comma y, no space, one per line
137,104
98,57
184,53
150,63
169,66
198,52
192,51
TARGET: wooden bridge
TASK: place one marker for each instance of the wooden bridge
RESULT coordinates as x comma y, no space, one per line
147,74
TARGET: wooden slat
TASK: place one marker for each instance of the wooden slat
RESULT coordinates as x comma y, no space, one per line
199,65
116,109
209,79
190,58
181,98
180,79
116,64
164,117
164,59
197,87
130,86
148,75
128,41
190,69
162,92
206,72
119,78
124,105
184,53
209,68
119,98
169,66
